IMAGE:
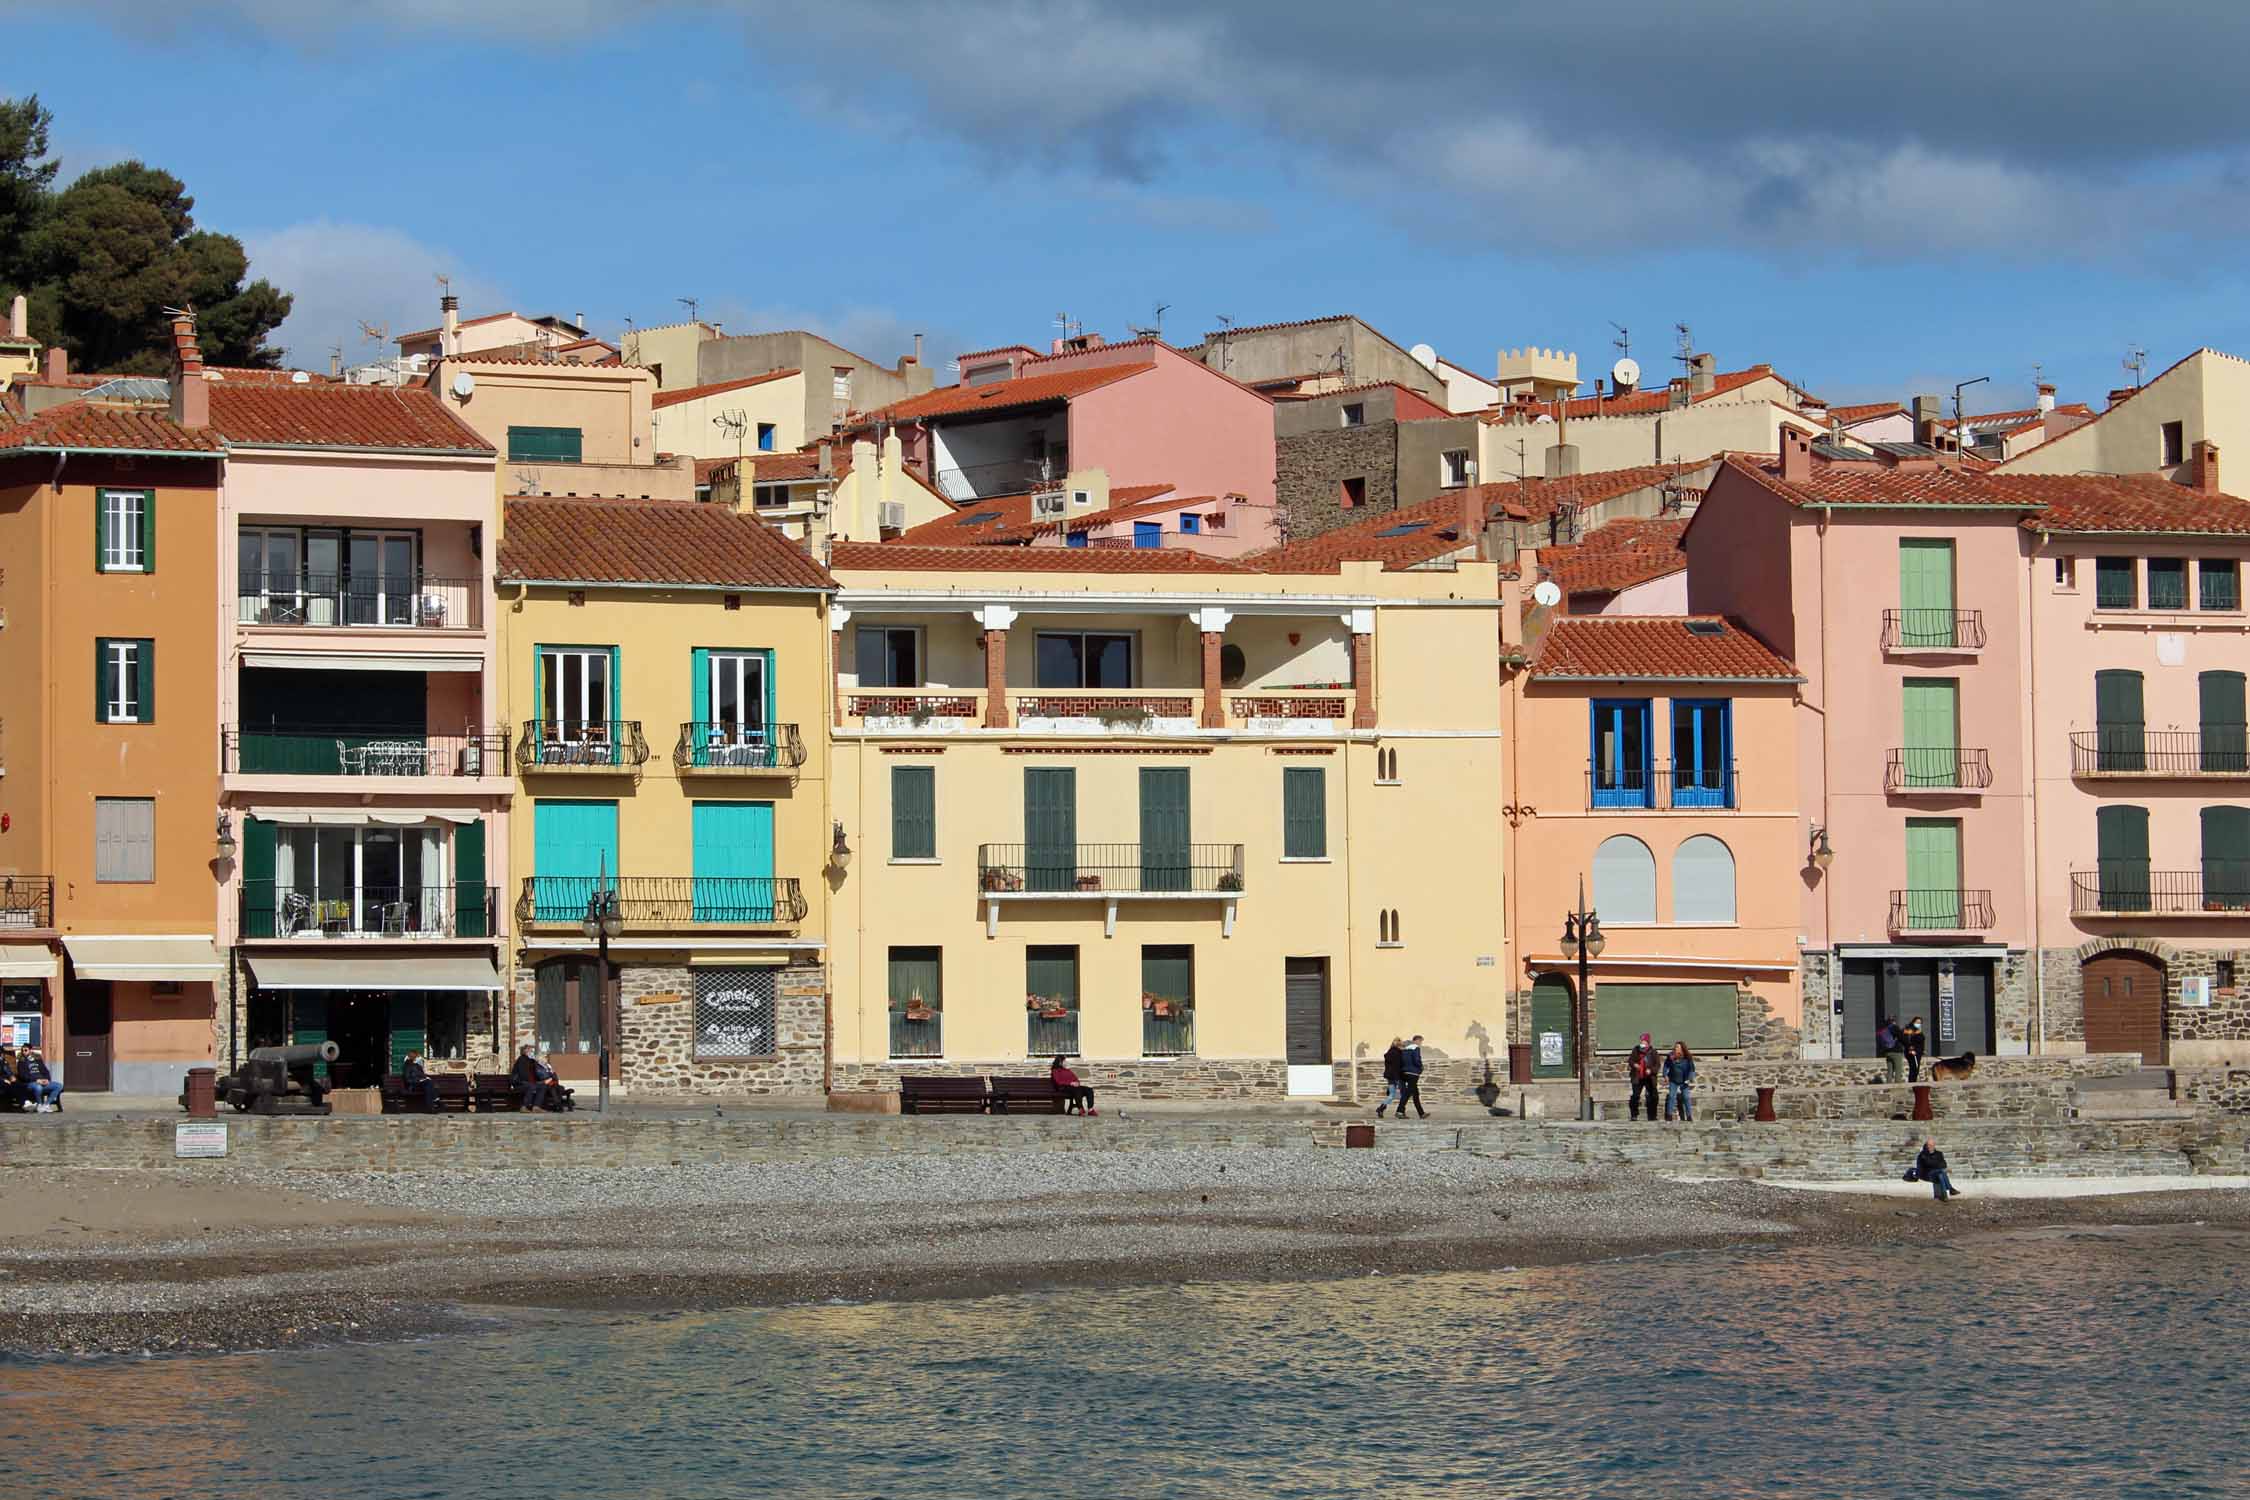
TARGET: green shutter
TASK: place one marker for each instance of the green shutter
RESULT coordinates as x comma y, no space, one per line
2120,743
1925,586
258,899
916,972
1933,872
545,445
101,679
1168,972
410,1020
101,554
308,1023
147,660
2121,843
2226,742
1052,974
1931,709
469,889
2226,858
1166,853
1701,1015
1304,813
913,812
148,531
1050,828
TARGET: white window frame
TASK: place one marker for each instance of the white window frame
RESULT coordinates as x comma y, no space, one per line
554,688
1352,414
747,669
124,527
1454,475
121,691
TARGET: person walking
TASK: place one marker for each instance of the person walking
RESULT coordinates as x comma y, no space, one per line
1913,1043
1642,1065
1394,1073
1930,1167
1410,1078
1679,1072
37,1082
1894,1055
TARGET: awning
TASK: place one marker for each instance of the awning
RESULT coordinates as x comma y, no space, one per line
346,661
373,971
359,817
186,960
26,961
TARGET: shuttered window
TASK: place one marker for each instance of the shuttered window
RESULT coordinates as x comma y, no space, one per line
125,839
124,680
2225,738
1624,880
2121,839
2118,723
2167,583
2219,583
913,812
1304,813
125,531
1051,1001
554,445
2116,585
1702,881
2226,858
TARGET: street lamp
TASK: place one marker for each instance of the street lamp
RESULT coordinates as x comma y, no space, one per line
603,921
840,852
1582,930
1820,855
226,843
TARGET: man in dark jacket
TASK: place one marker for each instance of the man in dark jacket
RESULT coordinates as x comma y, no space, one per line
1410,1078
1930,1166
1394,1073
419,1083
1642,1065
39,1084
533,1079
1913,1043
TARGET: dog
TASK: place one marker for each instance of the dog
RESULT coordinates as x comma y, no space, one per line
1953,1067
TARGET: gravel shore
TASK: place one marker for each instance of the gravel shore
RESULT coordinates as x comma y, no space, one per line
154,1261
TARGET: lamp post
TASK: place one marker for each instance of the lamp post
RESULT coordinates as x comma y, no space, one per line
602,922
1582,930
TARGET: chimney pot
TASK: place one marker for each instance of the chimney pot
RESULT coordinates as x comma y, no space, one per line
191,393
2207,466
1470,525
58,365
1796,456
19,318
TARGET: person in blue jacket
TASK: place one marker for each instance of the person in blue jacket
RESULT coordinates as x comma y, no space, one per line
1679,1072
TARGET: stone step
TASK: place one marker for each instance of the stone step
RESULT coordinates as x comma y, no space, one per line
2132,1106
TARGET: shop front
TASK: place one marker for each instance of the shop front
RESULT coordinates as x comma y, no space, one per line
1951,991
137,1011
376,1008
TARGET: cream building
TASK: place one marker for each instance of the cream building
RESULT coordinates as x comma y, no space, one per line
734,418
2203,398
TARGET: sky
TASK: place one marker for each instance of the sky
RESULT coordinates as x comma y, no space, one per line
1903,195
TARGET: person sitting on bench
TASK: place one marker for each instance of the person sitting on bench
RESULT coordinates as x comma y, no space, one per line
11,1092
535,1081
1076,1097
37,1082
419,1083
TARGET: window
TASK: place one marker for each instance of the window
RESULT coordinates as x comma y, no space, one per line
2167,583
2121,857
2226,859
1703,881
2116,585
2119,722
1304,812
730,695
124,681
1456,462
840,383
374,880
734,1011
1075,659
1702,1015
545,445
445,1027
2222,973
1167,1000
2066,574
1386,768
1148,533
2219,583
125,839
2175,443
1051,1001
125,531
1353,494
2225,739
1702,752
1355,414
574,690
913,812
765,437
1190,524
1620,752
1076,539
890,656
1925,593
1624,880
917,991
769,496
1930,712
1933,873
1216,521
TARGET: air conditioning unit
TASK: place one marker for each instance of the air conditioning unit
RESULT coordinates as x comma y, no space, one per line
890,515
1050,504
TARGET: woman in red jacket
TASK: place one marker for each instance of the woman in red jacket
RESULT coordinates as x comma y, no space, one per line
1076,1097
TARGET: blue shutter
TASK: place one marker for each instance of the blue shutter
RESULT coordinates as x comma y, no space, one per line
572,842
733,862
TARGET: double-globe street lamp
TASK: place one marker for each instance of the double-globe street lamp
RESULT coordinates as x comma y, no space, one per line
1582,930
603,921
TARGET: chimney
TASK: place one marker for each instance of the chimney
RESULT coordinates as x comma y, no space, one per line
58,366
191,393
1796,456
1925,409
1469,525
2204,466
827,461
449,325
19,318
335,364
578,318
2046,397
1562,461
917,348
1702,373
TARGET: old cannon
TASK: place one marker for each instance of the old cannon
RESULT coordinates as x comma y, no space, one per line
273,1079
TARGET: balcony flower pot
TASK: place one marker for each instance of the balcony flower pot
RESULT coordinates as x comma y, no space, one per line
919,1013
1230,881
1162,1009
1054,1013
1125,716
1089,882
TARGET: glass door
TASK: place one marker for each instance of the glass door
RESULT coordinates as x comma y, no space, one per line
574,706
737,684
382,578
324,576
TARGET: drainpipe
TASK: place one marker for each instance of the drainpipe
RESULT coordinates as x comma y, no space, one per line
1827,780
2037,1043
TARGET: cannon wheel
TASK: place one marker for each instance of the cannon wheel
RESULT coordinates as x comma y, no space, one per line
261,1104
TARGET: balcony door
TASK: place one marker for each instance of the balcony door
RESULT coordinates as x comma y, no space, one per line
573,844
2118,722
733,862
733,705
1050,828
383,584
574,693
1166,854
1702,753
2121,841
1932,716
2226,859
1620,752
1925,593
2225,741
1933,872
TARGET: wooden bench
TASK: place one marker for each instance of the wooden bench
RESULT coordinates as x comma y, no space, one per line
453,1095
1026,1096
921,1094
494,1093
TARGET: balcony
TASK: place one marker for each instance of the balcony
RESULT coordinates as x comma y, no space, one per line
1924,770
1011,476
914,710
313,601
2216,751
715,747
1938,632
1104,711
27,903
607,746
280,909
1941,911
1671,788
363,752
1109,874
665,901
2128,888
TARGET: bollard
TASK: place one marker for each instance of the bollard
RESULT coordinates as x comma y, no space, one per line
1765,1114
1359,1135
1922,1102
200,1093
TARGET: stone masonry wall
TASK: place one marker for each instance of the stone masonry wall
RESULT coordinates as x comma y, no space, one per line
656,1053
1310,468
2225,1020
1451,1080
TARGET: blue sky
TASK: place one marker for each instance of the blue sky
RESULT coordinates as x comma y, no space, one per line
1840,198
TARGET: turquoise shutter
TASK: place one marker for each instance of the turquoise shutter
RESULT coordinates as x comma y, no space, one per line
147,659
1050,828
699,699
1304,813
258,897
913,812
733,854
469,888
572,843
1166,848
2226,741
2121,842
2226,858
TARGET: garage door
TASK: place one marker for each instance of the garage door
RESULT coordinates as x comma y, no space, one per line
2125,1005
1701,1015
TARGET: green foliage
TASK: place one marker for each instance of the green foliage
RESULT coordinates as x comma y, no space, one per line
102,259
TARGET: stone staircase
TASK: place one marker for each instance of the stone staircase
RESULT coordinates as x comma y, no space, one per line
2145,1094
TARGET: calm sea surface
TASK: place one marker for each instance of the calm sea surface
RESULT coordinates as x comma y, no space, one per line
2066,1362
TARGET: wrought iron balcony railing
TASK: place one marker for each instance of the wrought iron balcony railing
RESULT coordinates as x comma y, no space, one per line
581,745
1110,869
361,751
1933,630
2128,887
1941,911
330,601
1923,768
287,909
709,746
666,901
2213,750
1679,788
26,901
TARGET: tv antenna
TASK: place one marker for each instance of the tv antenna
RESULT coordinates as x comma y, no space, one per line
375,333
1070,326
1156,331
1683,339
444,284
2136,360
691,304
1623,343
1226,339
735,424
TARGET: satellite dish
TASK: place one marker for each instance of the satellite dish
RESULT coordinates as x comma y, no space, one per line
1544,421
464,385
1424,355
1626,372
1546,593
300,378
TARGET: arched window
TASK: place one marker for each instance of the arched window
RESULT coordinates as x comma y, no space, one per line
1702,881
1624,880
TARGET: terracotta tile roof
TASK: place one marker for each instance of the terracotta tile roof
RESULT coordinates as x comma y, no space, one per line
241,375
1657,648
1873,409
781,468
649,541
998,349
1003,395
1119,511
878,557
2023,417
92,427
1220,333
1145,341
431,333
2146,503
1873,485
339,416
506,355
706,469
1430,530
663,399
1642,402
1007,518
1619,554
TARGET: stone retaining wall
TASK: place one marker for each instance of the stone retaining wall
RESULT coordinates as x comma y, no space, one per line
1829,1072
1220,1080
2224,1089
2047,1100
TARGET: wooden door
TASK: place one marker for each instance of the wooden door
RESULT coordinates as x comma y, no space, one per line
2124,999
86,1044
1552,1015
1305,1011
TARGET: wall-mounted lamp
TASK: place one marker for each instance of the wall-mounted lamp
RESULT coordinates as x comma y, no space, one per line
226,843
839,852
1820,854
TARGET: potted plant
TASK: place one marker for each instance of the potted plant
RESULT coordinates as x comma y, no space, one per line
1124,715
1230,880
1162,1010
918,1009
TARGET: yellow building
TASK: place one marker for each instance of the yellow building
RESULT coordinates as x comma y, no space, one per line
667,681
1211,832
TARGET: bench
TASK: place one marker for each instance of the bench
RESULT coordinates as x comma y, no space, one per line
920,1094
453,1095
1035,1096
494,1093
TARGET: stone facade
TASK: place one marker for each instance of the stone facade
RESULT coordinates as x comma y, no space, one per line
2200,1034
2063,999
1817,976
1310,469
656,1034
2224,1089
1450,1080
2011,1002
1831,1072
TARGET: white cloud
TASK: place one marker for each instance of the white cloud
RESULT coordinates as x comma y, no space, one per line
343,275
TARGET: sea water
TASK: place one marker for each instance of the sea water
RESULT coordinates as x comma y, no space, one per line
2049,1363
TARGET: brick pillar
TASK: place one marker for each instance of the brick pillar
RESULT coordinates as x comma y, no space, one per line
1214,708
1363,680
836,677
996,679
